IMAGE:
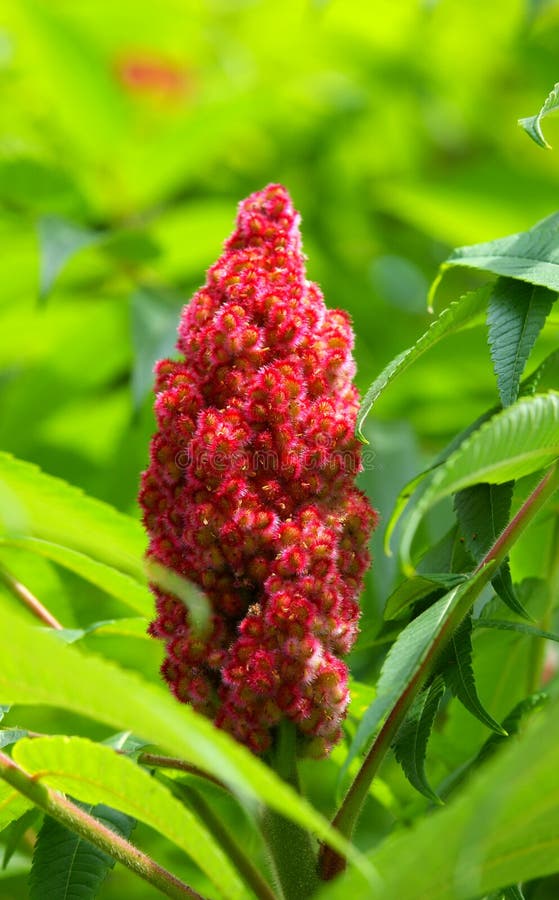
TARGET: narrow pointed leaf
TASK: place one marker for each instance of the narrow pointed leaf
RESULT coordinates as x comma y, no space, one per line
410,746
518,441
67,867
459,675
463,313
414,655
515,316
521,627
59,240
417,588
14,833
36,669
531,256
94,774
483,511
532,124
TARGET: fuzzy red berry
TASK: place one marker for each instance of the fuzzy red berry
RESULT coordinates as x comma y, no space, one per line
250,490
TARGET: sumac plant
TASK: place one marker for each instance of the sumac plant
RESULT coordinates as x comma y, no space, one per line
261,752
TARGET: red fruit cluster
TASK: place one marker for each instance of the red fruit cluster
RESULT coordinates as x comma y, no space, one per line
250,491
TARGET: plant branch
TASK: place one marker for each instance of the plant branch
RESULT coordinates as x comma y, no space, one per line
331,862
170,762
90,829
236,854
31,602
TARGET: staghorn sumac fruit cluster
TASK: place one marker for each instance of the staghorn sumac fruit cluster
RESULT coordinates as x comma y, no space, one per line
250,490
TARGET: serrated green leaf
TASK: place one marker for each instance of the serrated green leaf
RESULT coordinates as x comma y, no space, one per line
515,316
410,746
59,240
512,724
416,588
459,675
36,669
67,867
94,773
13,834
518,441
155,314
463,313
532,124
502,827
531,256
412,658
483,511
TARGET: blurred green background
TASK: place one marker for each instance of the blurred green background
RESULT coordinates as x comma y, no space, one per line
394,126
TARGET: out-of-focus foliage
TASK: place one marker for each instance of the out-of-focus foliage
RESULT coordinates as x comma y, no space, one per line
129,132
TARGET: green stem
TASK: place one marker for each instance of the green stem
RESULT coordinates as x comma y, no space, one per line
236,854
331,862
80,822
158,761
291,849
29,600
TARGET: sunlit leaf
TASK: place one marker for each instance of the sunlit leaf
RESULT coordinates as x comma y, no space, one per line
522,439
531,256
94,773
36,669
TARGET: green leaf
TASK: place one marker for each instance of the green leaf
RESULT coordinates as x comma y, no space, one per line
67,867
516,314
57,512
532,124
59,240
521,627
459,675
36,669
411,741
462,313
12,804
115,583
502,828
94,773
13,834
419,587
531,256
521,439
483,511
155,314
11,735
412,658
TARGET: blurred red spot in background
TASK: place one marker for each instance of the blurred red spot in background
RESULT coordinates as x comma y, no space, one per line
143,73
